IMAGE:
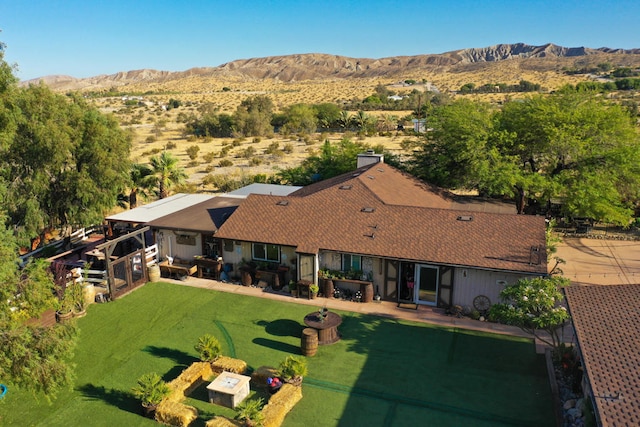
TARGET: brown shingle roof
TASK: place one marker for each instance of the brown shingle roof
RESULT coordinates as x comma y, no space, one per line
388,216
204,217
607,324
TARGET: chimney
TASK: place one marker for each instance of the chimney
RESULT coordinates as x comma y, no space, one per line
369,158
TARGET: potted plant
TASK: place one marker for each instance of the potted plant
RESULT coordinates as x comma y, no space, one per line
65,306
293,288
250,411
314,289
293,369
208,347
77,297
150,390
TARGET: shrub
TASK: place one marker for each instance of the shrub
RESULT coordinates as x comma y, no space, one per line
193,151
151,389
208,347
225,163
249,411
255,161
293,368
170,145
150,139
288,148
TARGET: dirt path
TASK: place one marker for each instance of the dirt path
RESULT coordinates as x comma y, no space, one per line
600,261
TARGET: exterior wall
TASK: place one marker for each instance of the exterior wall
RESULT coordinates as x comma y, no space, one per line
469,283
371,267
241,251
168,245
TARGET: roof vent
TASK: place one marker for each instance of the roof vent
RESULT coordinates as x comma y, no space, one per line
367,210
371,177
283,203
356,174
465,218
345,187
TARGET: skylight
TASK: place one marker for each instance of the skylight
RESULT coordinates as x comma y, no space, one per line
465,218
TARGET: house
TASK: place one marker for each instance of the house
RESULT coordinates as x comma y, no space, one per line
414,242
606,320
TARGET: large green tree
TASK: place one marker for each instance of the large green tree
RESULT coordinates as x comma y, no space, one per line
571,146
253,116
333,160
63,162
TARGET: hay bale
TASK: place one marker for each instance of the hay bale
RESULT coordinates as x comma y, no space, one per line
220,421
225,363
280,404
189,379
260,375
175,414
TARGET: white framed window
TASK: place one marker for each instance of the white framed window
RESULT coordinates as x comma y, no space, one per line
265,252
351,262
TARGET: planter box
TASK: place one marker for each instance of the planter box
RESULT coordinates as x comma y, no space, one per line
364,286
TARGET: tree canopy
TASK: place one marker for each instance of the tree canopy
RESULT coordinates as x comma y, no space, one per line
63,162
33,357
569,146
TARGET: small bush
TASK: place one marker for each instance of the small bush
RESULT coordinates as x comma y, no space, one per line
150,139
293,367
256,140
208,347
288,148
225,163
171,145
255,161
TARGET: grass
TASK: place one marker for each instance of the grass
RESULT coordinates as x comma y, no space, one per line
382,373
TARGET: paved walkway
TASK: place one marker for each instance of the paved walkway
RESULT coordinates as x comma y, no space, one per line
386,309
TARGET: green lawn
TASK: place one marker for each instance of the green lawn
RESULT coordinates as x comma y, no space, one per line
382,373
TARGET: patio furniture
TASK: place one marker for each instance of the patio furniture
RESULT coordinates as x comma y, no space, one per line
303,288
177,270
208,267
327,328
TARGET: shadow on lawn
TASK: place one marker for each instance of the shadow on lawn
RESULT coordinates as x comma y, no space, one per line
180,357
277,345
282,328
122,400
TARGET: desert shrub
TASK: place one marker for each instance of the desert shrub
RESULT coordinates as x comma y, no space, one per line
288,148
256,140
191,138
248,152
225,163
192,152
208,157
272,148
171,145
150,139
193,163
255,161
225,151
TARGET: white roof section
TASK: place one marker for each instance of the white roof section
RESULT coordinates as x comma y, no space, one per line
264,189
159,208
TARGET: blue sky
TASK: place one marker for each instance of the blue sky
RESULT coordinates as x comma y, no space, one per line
85,38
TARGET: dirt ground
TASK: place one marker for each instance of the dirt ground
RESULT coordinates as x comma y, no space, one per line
600,261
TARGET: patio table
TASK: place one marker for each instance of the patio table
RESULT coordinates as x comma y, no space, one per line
327,328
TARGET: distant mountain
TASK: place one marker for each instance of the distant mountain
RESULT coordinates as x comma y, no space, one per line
315,66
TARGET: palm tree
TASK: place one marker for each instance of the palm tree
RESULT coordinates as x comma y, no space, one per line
140,183
166,172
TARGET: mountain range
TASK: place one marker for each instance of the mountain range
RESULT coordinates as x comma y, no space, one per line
318,66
